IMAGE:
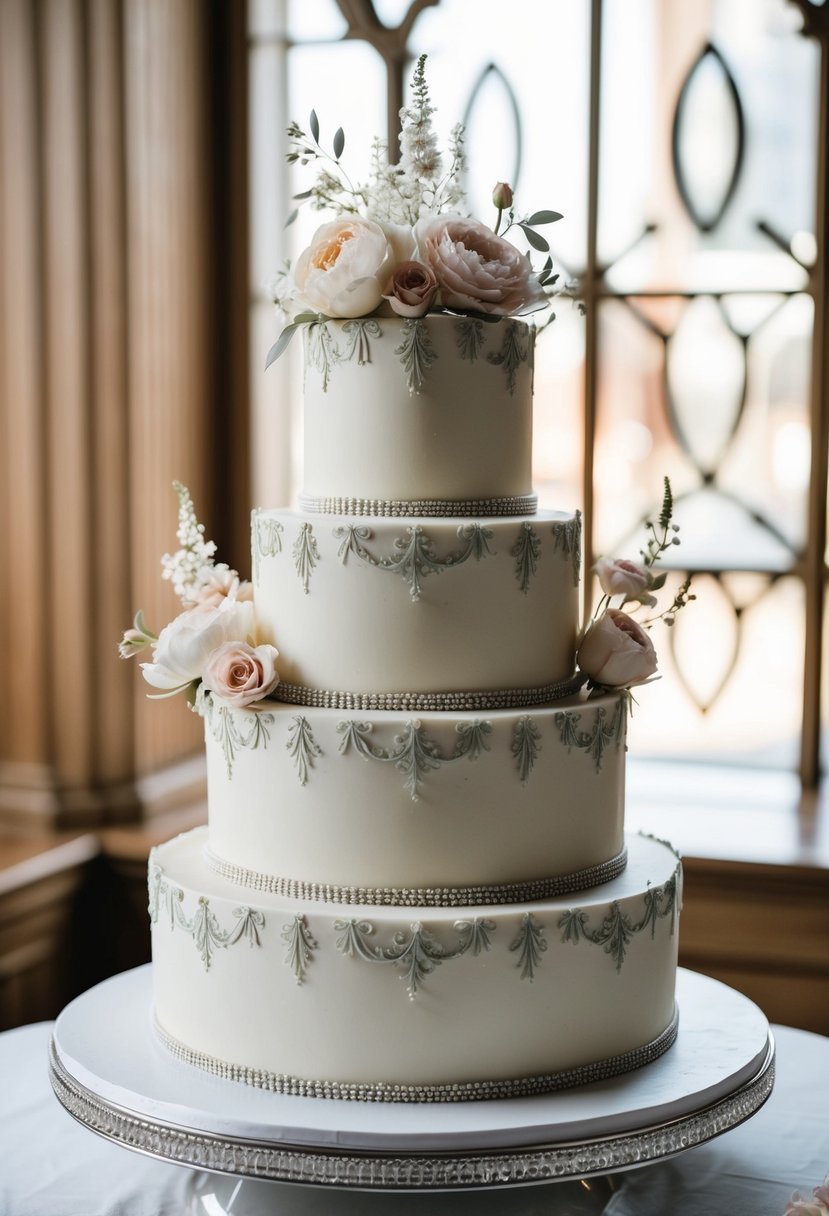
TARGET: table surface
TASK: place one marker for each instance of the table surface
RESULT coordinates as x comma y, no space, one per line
51,1166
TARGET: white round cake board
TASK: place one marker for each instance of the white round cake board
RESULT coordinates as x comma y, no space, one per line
112,1073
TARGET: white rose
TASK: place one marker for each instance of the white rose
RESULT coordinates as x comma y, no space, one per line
343,271
222,583
476,270
618,576
616,651
185,645
241,674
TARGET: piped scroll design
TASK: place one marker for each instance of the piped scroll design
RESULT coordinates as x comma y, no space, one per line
203,926
412,752
530,944
526,744
512,354
234,731
469,335
302,747
414,555
306,555
567,538
416,953
594,742
301,946
615,932
417,353
525,551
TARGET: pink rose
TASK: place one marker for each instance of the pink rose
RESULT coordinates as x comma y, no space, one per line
241,674
476,270
343,271
616,652
411,289
618,576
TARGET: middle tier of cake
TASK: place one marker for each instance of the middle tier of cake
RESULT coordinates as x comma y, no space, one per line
437,613
447,808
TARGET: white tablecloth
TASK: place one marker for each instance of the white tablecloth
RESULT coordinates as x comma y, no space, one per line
51,1166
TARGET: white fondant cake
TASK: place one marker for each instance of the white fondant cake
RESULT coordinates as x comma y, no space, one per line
414,884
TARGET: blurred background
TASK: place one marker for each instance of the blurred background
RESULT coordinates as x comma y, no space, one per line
144,195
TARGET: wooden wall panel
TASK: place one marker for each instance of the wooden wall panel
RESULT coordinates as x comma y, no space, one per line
25,661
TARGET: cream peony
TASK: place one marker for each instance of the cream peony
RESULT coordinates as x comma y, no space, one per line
411,289
343,271
616,652
184,646
818,1205
618,576
222,584
241,674
476,270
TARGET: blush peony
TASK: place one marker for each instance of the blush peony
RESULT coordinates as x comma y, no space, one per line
476,270
343,271
241,674
184,646
616,651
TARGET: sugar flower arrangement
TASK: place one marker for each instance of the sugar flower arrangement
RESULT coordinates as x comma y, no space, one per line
616,650
401,242
818,1205
211,645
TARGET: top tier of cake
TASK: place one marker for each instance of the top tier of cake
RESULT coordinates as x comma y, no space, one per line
421,417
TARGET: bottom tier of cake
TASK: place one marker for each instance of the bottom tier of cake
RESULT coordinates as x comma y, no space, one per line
407,1004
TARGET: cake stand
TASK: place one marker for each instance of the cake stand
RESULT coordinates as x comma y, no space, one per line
113,1075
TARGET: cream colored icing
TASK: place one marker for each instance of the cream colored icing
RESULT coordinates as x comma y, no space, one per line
265,1002
462,434
310,803
482,620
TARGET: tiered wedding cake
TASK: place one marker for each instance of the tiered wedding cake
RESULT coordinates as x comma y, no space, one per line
414,884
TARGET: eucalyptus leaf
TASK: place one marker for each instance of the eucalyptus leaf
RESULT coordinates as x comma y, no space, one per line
534,238
314,124
291,217
303,195
339,142
544,217
281,343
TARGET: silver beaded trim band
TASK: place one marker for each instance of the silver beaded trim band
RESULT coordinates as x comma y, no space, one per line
420,897
462,1091
408,702
516,504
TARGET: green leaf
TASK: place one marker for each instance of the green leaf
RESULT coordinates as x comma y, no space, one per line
291,217
534,239
303,195
659,581
544,217
339,142
281,343
314,124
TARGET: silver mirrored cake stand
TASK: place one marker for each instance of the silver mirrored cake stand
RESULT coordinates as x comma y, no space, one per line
113,1075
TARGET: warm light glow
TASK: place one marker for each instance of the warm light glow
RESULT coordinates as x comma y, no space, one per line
791,455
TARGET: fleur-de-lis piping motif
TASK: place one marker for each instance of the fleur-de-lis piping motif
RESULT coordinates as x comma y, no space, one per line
417,354
617,928
530,944
525,551
306,554
596,741
416,953
412,752
526,744
301,946
414,556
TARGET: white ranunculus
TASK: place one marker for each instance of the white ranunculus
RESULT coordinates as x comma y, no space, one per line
616,652
185,645
476,270
241,674
343,271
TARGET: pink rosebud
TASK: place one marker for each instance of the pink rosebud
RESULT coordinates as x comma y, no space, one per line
616,652
411,289
241,674
618,576
502,196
